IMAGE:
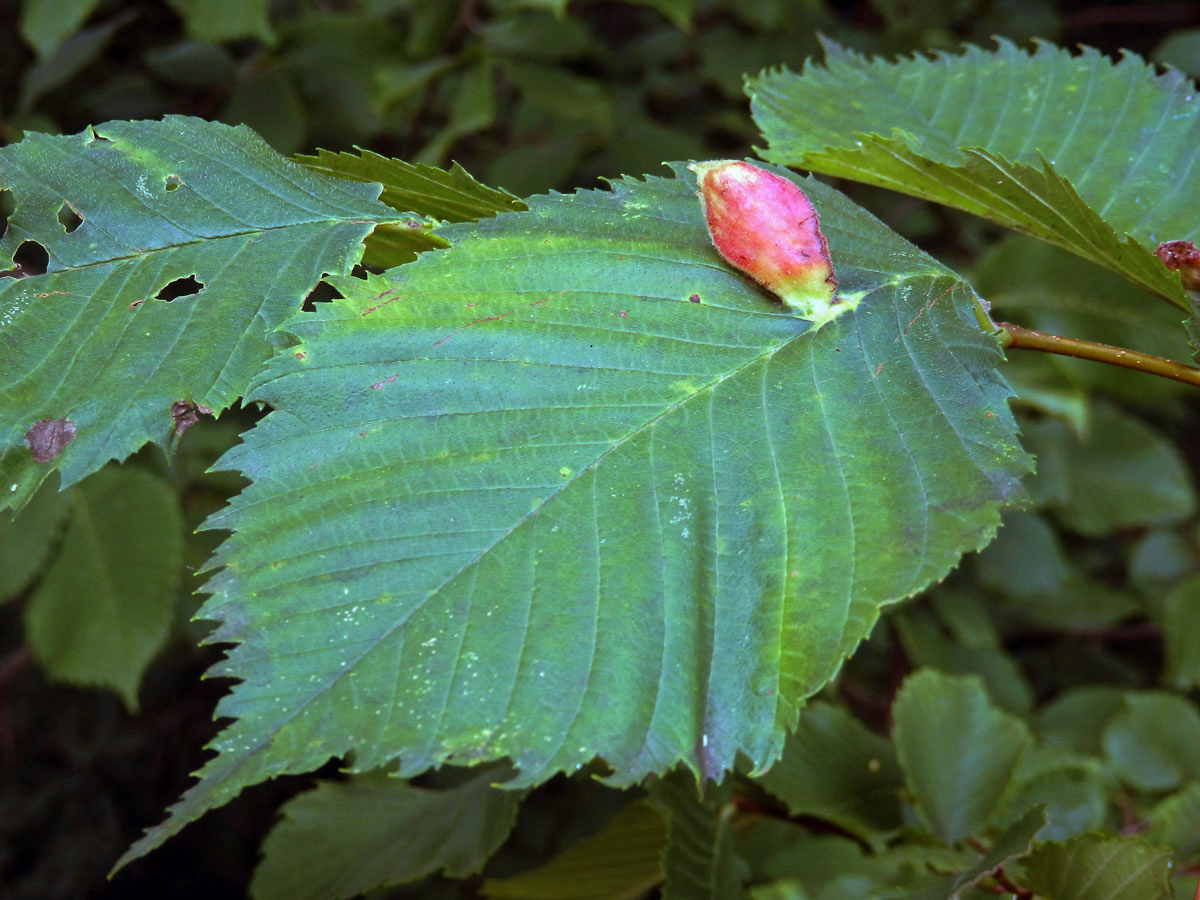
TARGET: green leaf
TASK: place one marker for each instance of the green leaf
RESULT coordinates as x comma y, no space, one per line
471,110
226,20
1073,789
1158,560
67,59
1123,474
344,838
45,24
1181,49
1026,564
778,890
451,196
776,849
1081,604
958,752
1181,635
1106,178
1152,742
159,203
1039,385
193,65
566,98
621,862
1176,822
104,607
926,645
1025,560
834,768
27,537
1014,841
269,102
563,491
529,35
1099,867
1075,720
699,861
678,12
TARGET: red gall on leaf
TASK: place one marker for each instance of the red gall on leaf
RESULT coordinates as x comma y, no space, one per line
47,438
185,414
1184,258
763,225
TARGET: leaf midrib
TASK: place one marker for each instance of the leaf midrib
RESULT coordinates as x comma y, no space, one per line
567,483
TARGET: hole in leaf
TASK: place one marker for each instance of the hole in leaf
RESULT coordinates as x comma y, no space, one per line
98,139
172,182
69,217
31,258
180,287
322,293
7,204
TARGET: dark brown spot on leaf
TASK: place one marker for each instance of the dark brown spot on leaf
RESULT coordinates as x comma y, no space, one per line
47,438
185,414
695,298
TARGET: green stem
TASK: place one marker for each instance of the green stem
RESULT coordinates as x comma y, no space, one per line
1027,339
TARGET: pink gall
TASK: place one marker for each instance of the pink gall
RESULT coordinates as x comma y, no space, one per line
764,225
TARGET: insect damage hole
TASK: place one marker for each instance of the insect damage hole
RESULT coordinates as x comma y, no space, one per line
171,182
31,258
321,293
69,217
7,204
180,287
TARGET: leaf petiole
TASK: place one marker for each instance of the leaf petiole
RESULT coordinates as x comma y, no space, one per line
1015,336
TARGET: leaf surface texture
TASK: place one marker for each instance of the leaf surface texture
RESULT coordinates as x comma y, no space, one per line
181,204
1095,156
573,488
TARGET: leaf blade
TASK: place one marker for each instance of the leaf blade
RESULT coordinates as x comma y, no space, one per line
958,752
509,404
1100,867
341,839
105,605
959,130
177,202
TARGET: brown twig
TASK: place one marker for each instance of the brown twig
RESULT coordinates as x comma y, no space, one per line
1027,339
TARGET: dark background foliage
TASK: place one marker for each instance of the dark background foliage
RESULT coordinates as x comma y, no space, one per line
530,96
